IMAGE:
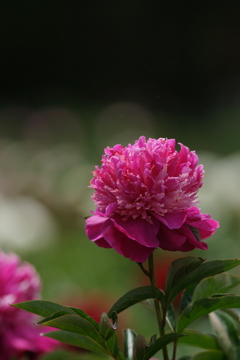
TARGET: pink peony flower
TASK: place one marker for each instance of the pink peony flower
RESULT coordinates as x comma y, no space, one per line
18,334
146,197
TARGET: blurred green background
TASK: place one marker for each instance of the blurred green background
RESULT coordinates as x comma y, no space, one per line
77,76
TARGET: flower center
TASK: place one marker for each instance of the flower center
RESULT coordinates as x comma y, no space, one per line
143,181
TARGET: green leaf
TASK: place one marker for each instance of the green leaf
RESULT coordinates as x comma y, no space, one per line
106,327
202,307
77,340
129,336
185,357
187,296
42,307
234,313
152,340
195,276
54,316
178,271
195,232
217,284
135,296
85,316
171,317
121,356
209,355
115,320
198,339
164,340
149,303
79,312
226,331
112,345
75,324
48,308
139,347
61,355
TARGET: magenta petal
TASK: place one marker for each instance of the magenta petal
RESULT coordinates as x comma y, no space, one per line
102,243
187,246
179,240
22,343
202,222
204,234
123,245
209,225
173,220
94,230
191,239
93,227
170,239
111,208
139,229
27,338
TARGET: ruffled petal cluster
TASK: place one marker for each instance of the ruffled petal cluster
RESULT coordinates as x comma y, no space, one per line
18,334
146,197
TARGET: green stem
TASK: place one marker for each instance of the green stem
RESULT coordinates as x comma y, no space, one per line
159,312
143,269
174,350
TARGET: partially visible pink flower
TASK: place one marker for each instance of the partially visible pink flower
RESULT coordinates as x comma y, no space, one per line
146,197
18,334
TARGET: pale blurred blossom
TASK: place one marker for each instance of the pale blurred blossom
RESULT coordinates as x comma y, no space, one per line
220,194
25,224
38,185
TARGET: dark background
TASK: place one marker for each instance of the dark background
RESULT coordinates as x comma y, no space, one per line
173,56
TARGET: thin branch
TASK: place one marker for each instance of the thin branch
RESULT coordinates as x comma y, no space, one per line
143,269
159,311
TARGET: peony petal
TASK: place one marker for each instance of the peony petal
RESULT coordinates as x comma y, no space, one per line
191,239
173,220
202,222
93,227
111,208
139,230
209,225
179,240
170,239
187,246
102,243
205,233
19,343
194,212
183,153
123,245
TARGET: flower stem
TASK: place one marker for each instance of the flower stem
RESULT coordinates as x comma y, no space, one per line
143,269
159,312
174,350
